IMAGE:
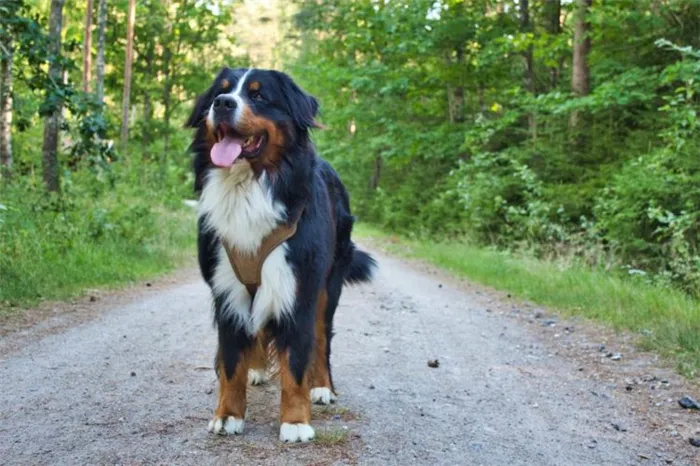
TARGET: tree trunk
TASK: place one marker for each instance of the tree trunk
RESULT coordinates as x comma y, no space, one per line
147,103
6,109
167,90
127,73
101,32
552,11
455,92
87,47
529,77
167,81
580,79
53,120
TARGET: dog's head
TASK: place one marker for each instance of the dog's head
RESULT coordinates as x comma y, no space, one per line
253,115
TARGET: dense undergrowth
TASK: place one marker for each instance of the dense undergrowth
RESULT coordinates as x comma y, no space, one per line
109,225
118,215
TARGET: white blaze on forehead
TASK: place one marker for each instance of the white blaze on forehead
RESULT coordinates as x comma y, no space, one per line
238,97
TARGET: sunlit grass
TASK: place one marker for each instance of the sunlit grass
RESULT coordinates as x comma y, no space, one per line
667,320
42,268
331,437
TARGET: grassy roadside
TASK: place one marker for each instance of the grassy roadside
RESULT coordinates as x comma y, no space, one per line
667,320
59,255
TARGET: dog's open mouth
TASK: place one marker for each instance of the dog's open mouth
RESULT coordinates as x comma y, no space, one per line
231,146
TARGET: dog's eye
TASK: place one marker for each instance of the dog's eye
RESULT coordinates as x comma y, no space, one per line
256,95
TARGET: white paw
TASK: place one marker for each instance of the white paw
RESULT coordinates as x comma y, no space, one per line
225,426
322,396
257,376
296,432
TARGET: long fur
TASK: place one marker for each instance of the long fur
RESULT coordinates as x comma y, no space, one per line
361,268
243,203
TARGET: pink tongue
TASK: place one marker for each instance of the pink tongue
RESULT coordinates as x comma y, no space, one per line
225,152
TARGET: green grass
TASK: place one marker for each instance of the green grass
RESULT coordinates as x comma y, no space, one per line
331,437
97,233
330,411
667,320
41,268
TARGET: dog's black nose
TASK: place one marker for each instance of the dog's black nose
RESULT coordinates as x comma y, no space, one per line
224,102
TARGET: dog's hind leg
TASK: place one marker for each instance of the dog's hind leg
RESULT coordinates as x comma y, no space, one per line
257,366
232,361
320,376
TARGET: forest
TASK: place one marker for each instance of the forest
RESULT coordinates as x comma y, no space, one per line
552,128
557,128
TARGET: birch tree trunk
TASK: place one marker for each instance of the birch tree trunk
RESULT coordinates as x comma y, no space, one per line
127,73
101,32
6,109
87,47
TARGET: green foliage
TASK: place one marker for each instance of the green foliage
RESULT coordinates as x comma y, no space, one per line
621,188
504,199
119,214
434,123
98,232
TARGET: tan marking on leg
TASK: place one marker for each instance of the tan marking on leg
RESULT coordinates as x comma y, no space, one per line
232,392
295,405
258,368
318,371
258,353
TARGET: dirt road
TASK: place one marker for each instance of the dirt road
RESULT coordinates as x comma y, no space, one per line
134,385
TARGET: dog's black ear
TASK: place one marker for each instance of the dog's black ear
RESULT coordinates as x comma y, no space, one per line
205,100
302,107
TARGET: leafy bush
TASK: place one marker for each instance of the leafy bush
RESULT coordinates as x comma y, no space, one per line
99,231
650,212
504,201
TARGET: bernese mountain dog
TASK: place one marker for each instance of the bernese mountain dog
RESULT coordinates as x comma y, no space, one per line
256,172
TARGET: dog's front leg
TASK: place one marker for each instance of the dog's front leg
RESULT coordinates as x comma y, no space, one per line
232,369
295,405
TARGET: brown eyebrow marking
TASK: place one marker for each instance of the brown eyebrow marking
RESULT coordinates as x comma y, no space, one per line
224,84
254,86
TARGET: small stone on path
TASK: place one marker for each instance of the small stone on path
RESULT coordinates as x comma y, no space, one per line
688,402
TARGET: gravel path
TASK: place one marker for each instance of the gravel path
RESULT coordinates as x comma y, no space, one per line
134,385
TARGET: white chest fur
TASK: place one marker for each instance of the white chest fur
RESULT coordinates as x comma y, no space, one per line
240,208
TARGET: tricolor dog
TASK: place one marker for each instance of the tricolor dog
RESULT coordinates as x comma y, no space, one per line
274,243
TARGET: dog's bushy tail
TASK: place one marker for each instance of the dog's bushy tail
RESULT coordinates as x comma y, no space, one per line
362,268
